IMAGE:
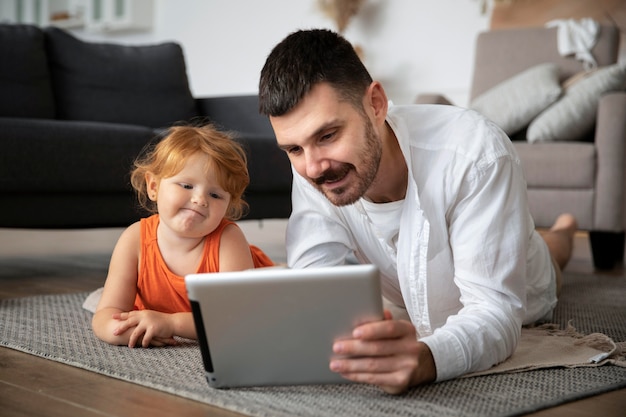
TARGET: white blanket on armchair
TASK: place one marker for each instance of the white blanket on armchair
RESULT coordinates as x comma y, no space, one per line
577,37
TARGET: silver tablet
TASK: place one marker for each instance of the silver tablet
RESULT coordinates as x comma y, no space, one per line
276,326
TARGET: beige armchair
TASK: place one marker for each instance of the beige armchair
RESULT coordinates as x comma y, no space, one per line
585,176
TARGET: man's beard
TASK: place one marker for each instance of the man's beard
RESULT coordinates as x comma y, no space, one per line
370,160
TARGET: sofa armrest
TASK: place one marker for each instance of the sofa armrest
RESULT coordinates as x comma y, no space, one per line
610,138
432,99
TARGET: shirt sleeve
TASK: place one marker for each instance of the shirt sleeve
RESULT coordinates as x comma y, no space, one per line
488,235
315,234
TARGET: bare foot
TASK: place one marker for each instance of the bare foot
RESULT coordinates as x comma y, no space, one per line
565,223
560,238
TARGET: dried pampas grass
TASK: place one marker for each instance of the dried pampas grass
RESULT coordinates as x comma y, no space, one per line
340,11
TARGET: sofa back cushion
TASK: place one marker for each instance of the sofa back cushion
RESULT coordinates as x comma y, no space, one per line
24,77
142,85
236,113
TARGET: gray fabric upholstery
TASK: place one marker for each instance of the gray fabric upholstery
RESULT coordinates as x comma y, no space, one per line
573,116
24,75
58,150
610,140
500,54
427,98
545,202
515,102
575,166
240,113
145,85
561,177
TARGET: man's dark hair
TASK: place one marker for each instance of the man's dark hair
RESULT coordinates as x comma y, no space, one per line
305,58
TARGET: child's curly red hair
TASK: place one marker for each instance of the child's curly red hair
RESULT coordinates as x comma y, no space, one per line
168,157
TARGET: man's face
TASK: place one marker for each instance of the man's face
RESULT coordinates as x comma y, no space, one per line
331,144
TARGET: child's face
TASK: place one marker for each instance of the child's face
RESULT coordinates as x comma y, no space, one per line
190,203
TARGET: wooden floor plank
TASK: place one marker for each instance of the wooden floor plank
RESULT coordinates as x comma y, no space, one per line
16,401
40,384
609,404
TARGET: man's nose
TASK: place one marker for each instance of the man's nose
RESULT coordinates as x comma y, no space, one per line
315,164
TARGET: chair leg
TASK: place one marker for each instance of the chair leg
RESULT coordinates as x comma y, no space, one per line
607,248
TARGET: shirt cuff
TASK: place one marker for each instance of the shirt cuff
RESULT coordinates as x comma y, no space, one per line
447,352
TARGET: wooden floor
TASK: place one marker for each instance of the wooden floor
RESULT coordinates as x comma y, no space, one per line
34,262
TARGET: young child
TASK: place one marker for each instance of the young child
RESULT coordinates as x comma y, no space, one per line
193,181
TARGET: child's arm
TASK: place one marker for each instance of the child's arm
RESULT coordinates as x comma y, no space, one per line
234,250
120,287
115,322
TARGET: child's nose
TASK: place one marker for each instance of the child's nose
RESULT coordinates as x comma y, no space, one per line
200,199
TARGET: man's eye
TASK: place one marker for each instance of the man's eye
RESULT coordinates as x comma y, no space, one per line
327,136
294,151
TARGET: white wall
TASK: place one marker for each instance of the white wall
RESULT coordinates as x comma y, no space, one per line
412,46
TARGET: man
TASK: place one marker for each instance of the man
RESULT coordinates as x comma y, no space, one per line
433,195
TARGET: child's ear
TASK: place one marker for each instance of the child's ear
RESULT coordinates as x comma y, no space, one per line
152,186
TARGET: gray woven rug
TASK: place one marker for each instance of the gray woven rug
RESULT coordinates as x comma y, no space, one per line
57,328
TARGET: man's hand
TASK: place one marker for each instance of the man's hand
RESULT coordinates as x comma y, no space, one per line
385,353
148,328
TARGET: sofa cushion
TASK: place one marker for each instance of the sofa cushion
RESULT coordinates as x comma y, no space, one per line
513,103
142,85
58,156
574,168
24,77
574,115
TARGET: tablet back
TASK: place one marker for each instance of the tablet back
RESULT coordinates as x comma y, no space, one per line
273,326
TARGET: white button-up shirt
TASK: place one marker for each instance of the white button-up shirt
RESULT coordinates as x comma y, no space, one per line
466,263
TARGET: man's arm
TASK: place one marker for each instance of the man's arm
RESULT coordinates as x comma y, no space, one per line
489,228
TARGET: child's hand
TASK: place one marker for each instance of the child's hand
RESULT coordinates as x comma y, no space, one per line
149,328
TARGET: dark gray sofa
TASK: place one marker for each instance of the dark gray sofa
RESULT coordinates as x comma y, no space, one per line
74,115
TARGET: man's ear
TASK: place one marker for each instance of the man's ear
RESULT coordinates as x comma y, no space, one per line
377,101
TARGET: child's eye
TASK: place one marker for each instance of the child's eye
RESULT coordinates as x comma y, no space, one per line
215,196
186,186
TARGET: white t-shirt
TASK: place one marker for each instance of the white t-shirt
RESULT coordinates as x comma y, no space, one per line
385,219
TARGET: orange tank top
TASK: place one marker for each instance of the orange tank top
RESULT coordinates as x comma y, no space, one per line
160,289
